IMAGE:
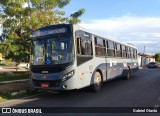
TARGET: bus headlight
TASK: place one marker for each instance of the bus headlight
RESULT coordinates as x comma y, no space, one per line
68,75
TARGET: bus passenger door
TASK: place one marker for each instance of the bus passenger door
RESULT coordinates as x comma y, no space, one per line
84,57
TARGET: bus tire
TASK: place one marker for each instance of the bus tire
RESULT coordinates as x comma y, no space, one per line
97,82
128,76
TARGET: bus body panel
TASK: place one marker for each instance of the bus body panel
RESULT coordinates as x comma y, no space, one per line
109,69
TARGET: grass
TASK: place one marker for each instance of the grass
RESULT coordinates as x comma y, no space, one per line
13,76
7,96
5,63
2,64
2,99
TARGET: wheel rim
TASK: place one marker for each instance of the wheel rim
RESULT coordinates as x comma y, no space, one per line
97,80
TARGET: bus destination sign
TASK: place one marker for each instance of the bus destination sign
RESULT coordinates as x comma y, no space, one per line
43,32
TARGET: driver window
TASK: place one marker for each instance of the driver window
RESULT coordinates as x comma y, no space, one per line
84,47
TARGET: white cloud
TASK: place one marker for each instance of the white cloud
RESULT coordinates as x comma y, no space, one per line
141,31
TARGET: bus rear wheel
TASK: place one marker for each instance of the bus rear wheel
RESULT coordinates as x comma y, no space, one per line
97,82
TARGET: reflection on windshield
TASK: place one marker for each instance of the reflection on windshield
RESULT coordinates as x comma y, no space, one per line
39,52
53,51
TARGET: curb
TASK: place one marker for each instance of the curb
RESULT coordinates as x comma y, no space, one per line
16,93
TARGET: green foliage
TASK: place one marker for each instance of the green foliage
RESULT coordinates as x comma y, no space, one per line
20,21
157,57
74,17
14,76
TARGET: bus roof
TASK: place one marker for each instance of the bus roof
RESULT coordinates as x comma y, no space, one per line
103,36
78,27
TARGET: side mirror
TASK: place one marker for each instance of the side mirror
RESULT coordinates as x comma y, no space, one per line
62,46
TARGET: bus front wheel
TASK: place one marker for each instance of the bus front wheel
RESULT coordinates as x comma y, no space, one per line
97,82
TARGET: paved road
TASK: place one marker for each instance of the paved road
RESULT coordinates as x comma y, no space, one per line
142,90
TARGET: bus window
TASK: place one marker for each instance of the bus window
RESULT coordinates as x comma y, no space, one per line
131,52
78,46
84,47
38,53
118,50
134,53
124,51
128,52
100,47
110,50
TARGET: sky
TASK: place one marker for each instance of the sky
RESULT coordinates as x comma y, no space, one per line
128,21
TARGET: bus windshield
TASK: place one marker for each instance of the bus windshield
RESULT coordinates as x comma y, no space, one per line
53,50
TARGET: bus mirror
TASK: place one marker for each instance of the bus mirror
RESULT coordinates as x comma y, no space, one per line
62,46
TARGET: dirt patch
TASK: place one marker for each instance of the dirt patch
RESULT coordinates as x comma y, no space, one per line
4,88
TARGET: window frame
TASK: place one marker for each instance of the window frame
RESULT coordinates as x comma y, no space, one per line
112,49
79,49
100,47
124,51
119,50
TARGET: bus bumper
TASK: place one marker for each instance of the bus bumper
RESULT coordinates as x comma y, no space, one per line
56,85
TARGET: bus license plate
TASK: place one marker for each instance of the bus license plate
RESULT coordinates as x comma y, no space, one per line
44,85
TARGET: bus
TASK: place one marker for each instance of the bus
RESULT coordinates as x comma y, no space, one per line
67,56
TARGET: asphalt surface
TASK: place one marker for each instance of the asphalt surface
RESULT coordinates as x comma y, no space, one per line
142,90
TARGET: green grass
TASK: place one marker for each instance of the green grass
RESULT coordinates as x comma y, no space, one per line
2,64
5,63
2,99
13,76
7,96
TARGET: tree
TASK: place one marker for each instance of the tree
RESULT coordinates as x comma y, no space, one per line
157,57
21,17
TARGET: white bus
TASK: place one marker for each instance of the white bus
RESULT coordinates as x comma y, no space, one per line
66,57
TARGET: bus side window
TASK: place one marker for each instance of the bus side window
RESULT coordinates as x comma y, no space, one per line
78,46
111,49
84,47
100,47
131,52
136,53
128,52
124,51
118,50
